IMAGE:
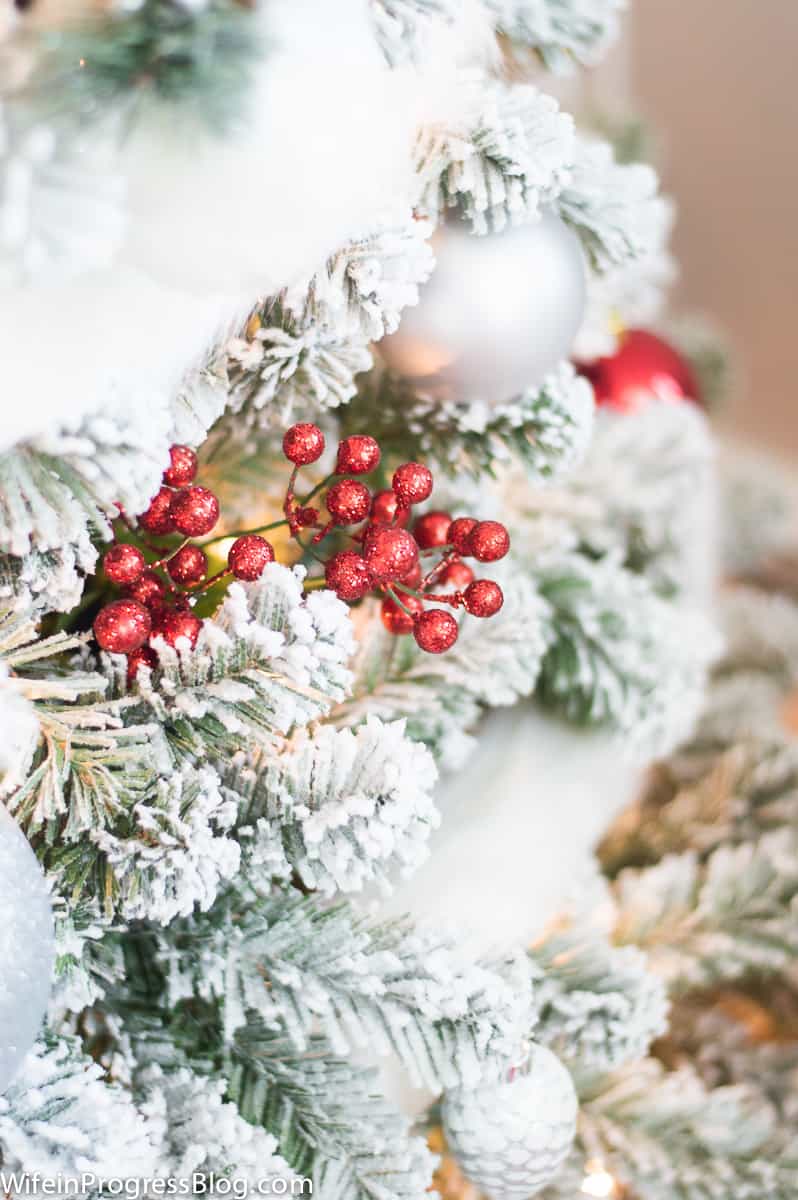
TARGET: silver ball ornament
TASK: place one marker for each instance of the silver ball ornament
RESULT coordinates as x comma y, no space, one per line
26,947
499,313
511,1138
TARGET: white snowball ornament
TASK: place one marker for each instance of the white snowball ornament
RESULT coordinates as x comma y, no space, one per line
499,313
511,1139
26,947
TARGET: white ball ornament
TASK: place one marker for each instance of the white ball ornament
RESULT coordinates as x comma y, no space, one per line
26,947
499,313
512,1138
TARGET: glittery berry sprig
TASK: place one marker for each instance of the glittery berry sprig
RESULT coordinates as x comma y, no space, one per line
407,568
385,557
162,582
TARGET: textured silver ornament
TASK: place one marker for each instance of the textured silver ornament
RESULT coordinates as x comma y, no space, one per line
26,947
512,1138
499,313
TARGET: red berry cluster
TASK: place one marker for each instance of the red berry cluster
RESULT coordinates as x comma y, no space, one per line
386,557
160,590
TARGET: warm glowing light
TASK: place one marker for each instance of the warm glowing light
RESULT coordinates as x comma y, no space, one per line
598,1182
82,62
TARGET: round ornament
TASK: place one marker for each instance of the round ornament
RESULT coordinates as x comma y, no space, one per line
26,947
512,1138
498,314
188,565
435,631
182,467
194,511
389,552
158,517
643,368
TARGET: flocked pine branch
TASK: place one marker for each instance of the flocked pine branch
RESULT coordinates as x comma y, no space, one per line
512,163
492,664
702,923
561,32
618,655
307,966
666,1136
341,809
547,430
598,1006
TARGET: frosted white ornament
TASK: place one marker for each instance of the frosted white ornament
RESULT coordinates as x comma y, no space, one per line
498,314
512,1138
26,947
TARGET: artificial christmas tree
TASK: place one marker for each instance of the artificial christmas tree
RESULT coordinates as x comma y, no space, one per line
269,557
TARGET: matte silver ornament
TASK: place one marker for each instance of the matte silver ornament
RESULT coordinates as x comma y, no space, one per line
26,947
512,1138
499,313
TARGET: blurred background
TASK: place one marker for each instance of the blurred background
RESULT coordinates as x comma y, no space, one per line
716,81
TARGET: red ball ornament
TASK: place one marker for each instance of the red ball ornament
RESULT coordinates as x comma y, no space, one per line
435,631
348,502
412,483
145,656
123,564
432,529
394,617
483,598
489,541
459,534
149,590
194,511
182,467
357,455
158,517
249,556
390,553
188,565
175,624
457,574
348,576
303,444
385,509
122,626
643,368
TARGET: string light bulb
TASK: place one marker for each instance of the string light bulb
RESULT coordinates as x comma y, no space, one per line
598,1182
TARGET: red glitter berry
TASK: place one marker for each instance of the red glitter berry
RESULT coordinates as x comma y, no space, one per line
394,617
357,455
122,626
457,574
483,598
149,590
145,656
249,556
389,552
348,576
413,577
435,631
182,467
432,529
173,625
459,534
194,511
489,541
187,565
412,483
123,564
385,509
348,502
306,516
303,444
158,517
